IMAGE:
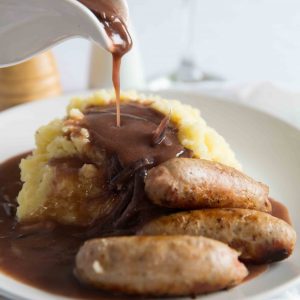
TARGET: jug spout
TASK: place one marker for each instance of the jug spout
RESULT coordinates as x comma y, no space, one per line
28,27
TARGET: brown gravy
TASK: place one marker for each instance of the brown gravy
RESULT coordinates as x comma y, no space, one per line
280,211
115,26
255,270
42,255
136,134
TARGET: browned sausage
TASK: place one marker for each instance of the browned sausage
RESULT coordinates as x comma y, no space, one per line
159,266
260,237
188,183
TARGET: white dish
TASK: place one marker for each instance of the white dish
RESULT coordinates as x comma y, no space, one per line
267,147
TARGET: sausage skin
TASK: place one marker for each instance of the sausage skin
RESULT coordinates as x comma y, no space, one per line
258,236
159,265
188,183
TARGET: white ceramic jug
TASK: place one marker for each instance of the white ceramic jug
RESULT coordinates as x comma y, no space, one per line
28,27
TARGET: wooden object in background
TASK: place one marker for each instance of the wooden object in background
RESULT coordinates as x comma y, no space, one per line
34,79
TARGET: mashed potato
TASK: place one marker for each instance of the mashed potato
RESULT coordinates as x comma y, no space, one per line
38,196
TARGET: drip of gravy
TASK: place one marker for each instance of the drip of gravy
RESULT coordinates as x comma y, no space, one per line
112,19
116,83
280,211
42,255
255,270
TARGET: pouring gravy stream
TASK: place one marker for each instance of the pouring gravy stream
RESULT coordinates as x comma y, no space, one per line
110,14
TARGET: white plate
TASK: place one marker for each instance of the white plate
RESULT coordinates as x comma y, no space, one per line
268,149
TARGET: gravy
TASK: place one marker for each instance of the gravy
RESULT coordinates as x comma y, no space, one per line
42,255
115,26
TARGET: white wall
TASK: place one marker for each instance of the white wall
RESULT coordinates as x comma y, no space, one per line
238,39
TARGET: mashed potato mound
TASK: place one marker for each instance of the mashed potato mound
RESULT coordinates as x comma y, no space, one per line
44,194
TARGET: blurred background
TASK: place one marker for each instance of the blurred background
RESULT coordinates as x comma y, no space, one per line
244,40
247,51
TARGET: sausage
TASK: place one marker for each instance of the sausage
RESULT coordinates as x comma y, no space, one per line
188,183
159,265
260,237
